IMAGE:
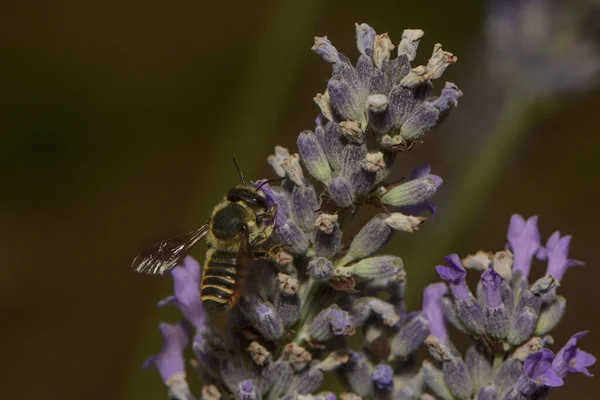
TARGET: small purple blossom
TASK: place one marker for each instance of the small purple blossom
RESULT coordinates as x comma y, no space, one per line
571,359
455,275
169,361
538,373
432,307
492,284
187,292
524,239
557,254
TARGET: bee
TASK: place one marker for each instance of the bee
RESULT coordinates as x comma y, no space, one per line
236,231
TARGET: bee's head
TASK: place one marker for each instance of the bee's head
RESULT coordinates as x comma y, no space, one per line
247,196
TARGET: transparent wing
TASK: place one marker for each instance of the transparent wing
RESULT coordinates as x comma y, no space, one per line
163,256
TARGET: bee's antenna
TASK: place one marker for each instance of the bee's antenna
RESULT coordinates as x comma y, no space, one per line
269,181
239,171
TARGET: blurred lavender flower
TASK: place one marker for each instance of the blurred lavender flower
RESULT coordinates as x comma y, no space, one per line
543,46
316,287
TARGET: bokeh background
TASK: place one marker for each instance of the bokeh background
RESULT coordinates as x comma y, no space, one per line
118,120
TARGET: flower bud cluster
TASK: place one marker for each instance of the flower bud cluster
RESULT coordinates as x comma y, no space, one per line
320,284
509,319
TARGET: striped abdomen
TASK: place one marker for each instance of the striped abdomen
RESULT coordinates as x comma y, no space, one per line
218,288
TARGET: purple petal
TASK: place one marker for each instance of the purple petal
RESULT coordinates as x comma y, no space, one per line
432,307
170,359
421,171
187,292
538,368
571,359
557,250
524,239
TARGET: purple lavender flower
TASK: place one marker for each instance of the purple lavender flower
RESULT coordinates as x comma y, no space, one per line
538,373
557,254
187,292
432,307
169,361
524,239
571,359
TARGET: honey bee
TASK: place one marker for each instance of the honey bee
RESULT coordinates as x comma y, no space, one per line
235,232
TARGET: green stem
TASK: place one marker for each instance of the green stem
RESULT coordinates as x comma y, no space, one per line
471,192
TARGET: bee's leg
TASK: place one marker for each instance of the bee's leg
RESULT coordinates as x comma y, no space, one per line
263,236
267,215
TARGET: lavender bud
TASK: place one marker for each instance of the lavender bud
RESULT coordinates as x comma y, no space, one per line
305,204
292,236
298,356
328,237
279,376
412,192
551,316
496,315
329,323
365,36
330,138
382,49
373,162
525,317
340,191
381,114
321,269
293,170
406,223
326,50
383,381
343,100
468,310
479,366
275,160
410,336
263,317
210,392
247,390
507,376
357,374
373,268
455,371
435,380
420,122
287,301
259,354
514,394
410,43
369,240
439,61
502,264
451,314
306,382
365,307
487,393
479,261
322,101
361,180
313,157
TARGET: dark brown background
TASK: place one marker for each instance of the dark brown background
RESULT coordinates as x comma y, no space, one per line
118,120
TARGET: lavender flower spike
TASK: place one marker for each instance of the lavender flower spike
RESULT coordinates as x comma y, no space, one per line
557,252
524,239
571,359
538,373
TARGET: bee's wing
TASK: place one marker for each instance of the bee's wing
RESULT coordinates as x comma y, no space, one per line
244,263
163,256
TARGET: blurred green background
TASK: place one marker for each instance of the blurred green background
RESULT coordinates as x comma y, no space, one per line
118,122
